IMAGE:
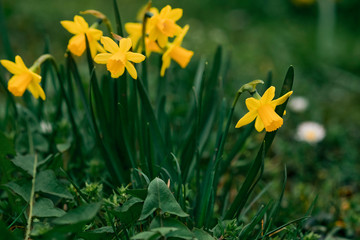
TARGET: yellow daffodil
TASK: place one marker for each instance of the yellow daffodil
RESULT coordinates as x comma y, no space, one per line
263,110
80,27
118,57
135,34
162,25
174,51
24,78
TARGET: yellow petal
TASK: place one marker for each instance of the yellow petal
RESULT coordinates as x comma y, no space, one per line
252,104
181,35
166,10
131,69
36,90
102,58
95,33
162,40
80,21
71,27
109,44
125,44
246,119
36,77
166,60
268,95
259,125
281,99
135,57
20,63
175,14
11,67
133,28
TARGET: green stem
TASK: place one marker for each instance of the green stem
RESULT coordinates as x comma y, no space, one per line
28,226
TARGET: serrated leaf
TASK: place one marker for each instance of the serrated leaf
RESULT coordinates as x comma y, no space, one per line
160,197
82,214
46,182
44,207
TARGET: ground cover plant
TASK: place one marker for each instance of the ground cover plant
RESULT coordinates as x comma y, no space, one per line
130,135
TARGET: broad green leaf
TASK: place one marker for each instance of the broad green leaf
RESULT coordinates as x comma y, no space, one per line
202,235
182,231
147,235
23,189
130,212
99,233
46,182
25,162
44,207
82,214
160,197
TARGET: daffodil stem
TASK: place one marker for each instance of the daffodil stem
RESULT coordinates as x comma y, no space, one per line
31,202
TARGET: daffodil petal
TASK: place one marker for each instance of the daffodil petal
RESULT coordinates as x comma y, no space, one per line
11,67
71,27
252,104
135,57
36,90
81,22
36,77
162,40
259,125
175,14
102,58
268,95
133,28
125,44
165,10
166,60
246,119
95,33
131,69
20,63
281,99
109,44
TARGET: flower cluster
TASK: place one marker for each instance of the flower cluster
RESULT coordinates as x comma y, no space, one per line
154,32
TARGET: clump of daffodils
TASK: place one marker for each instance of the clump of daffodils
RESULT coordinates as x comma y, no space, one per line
155,30
310,132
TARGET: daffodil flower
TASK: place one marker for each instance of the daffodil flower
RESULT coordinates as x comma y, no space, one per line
135,34
162,25
118,57
174,51
77,44
24,78
263,110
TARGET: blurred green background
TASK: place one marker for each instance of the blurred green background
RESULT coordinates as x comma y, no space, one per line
319,38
